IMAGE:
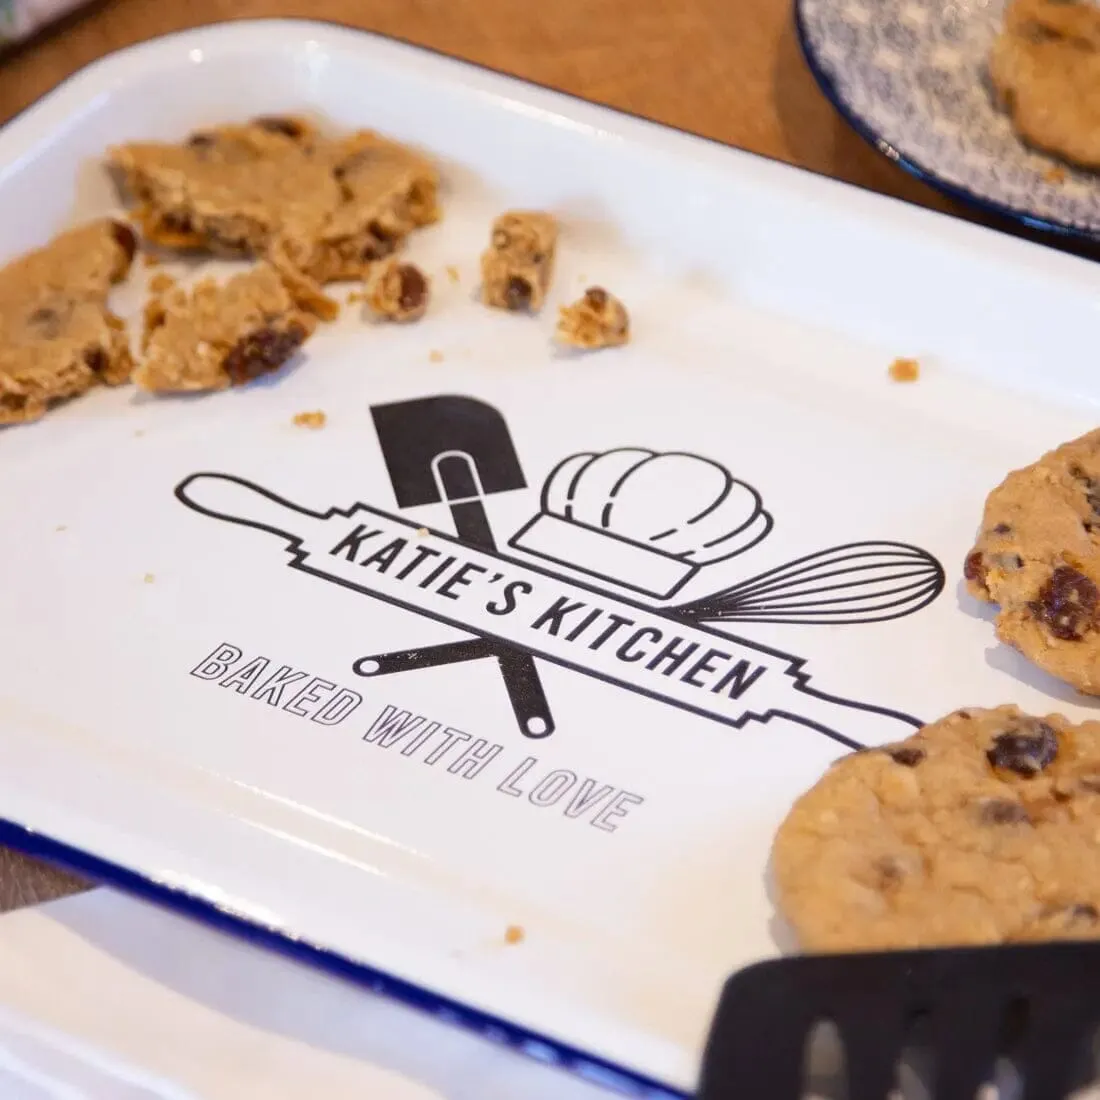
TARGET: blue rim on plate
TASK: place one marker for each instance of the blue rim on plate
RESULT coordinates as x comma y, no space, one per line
909,77
495,1029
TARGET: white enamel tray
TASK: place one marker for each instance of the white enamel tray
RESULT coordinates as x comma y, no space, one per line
220,676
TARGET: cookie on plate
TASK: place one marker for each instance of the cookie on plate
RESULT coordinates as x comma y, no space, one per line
1045,67
979,829
57,336
1038,557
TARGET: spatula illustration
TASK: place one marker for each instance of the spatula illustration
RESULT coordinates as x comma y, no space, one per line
457,450
955,1013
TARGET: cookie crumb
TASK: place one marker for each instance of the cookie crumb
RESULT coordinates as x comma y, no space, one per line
399,292
596,320
422,532
435,357
355,297
161,283
139,432
517,266
150,259
452,273
61,527
905,370
149,578
310,419
513,934
1055,174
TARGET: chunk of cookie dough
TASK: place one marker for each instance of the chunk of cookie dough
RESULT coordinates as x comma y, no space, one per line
399,292
597,320
215,336
322,208
980,829
57,336
517,266
1038,557
1045,67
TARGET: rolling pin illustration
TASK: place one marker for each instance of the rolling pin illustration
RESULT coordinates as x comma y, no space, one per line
492,598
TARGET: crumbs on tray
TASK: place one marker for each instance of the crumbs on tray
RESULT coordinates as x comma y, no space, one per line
905,370
315,419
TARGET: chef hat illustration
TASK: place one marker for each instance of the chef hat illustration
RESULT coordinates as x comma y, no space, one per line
644,520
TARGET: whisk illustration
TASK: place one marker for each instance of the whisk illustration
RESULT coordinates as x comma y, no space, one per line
860,582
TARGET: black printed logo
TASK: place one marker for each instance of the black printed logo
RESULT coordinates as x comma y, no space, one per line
595,573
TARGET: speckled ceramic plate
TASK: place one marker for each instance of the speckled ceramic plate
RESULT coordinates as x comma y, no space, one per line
911,77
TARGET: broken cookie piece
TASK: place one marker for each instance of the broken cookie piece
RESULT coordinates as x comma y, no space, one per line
1037,556
399,292
1045,69
597,320
215,336
387,191
317,208
227,189
517,266
57,336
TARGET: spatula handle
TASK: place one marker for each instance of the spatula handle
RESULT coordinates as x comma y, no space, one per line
526,694
409,660
521,677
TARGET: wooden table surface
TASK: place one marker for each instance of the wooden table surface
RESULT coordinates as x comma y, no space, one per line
727,69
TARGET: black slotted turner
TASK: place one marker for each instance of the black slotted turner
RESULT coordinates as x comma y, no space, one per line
1036,1005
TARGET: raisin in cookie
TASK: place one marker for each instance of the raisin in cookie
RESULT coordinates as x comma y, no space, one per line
57,336
1038,557
320,209
399,292
979,829
215,336
1045,67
